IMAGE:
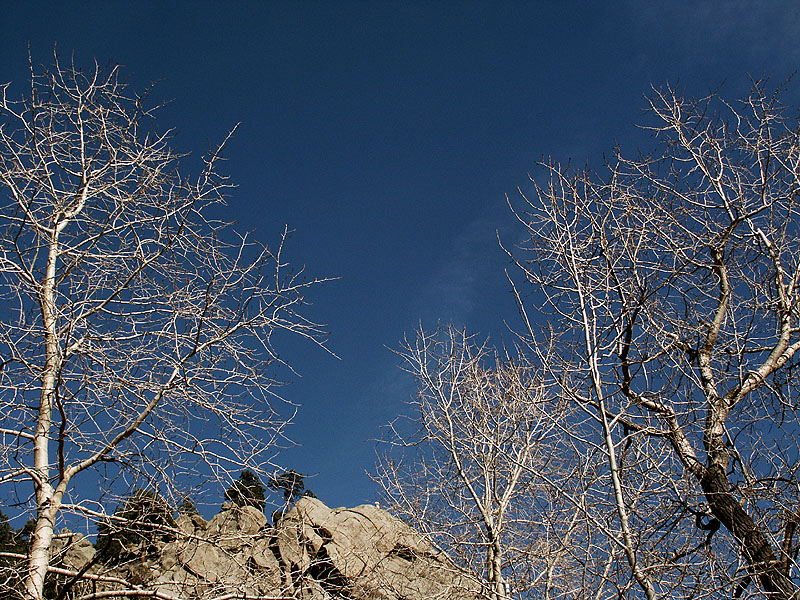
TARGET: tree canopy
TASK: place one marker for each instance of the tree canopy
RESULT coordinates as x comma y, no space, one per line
660,304
143,519
247,491
136,327
290,484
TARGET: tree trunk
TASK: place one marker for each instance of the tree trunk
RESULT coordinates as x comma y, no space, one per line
762,562
495,565
39,554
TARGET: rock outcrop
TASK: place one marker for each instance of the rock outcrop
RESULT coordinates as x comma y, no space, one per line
313,552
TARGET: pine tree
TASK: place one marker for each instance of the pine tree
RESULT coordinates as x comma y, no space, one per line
146,519
6,533
291,484
10,568
246,491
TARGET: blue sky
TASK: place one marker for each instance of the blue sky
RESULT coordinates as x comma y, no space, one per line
388,134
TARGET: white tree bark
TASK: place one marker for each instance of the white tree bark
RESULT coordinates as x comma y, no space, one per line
679,275
136,329
466,468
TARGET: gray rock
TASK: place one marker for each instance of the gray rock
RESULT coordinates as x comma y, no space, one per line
205,560
71,550
236,527
313,553
368,554
191,524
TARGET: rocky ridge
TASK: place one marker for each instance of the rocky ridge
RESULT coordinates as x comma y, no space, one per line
313,552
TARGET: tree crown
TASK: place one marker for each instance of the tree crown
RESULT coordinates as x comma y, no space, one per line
247,491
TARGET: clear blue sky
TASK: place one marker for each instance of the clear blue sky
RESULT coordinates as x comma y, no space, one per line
387,135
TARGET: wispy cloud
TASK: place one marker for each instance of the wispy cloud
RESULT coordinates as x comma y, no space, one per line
462,278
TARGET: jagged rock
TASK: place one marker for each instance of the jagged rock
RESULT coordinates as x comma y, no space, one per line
313,553
191,524
206,561
264,556
72,550
236,526
366,553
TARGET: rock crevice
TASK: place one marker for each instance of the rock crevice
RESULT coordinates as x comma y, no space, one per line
313,552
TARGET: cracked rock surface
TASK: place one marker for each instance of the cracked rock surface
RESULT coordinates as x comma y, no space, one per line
313,552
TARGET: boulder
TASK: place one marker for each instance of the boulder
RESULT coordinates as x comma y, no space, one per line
71,550
313,553
191,524
236,526
366,553
229,554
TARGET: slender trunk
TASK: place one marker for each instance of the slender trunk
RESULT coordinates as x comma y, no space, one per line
46,508
494,552
590,337
622,511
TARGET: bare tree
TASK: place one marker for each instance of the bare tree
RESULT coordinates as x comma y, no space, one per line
136,339
670,289
475,449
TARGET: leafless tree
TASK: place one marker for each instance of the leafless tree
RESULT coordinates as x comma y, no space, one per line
136,339
670,291
476,451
